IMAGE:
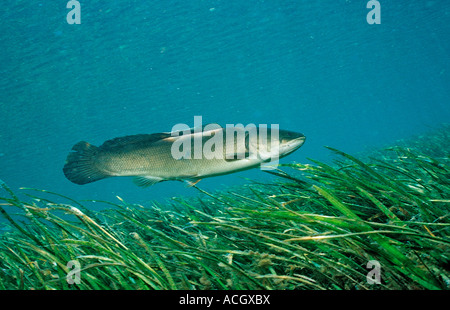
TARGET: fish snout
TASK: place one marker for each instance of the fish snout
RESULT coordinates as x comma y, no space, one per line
291,136
290,141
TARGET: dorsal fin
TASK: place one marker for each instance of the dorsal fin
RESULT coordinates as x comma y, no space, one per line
134,139
210,126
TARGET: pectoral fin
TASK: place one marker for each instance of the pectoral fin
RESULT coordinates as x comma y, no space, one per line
236,156
240,153
192,183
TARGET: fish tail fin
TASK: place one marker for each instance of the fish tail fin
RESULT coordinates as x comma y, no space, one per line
80,167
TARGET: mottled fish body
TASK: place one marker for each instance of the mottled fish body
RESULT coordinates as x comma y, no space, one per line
152,158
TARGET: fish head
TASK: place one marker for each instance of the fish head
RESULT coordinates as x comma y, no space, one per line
277,143
289,141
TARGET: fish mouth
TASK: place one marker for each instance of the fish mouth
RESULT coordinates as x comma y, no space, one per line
294,144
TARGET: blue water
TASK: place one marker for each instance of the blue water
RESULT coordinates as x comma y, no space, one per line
315,67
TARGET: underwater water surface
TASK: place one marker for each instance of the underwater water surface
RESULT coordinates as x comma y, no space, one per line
135,67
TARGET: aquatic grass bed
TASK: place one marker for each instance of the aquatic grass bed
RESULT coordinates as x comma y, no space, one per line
316,227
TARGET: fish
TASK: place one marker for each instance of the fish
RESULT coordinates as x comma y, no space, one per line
185,155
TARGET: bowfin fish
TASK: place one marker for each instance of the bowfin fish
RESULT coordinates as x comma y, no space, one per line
153,158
